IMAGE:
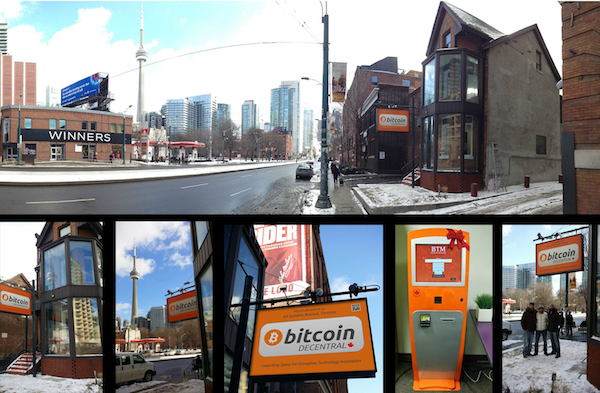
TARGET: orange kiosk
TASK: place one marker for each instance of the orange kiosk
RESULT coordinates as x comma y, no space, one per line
438,275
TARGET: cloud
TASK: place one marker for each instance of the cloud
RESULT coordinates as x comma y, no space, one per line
548,227
339,284
506,229
151,236
18,252
10,9
121,307
180,260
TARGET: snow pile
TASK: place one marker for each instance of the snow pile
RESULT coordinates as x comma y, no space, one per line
311,200
534,374
10,383
191,386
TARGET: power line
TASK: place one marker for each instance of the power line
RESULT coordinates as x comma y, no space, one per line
216,48
300,21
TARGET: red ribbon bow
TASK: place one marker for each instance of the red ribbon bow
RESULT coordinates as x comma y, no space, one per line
457,238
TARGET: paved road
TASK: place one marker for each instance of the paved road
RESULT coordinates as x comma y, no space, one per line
171,370
272,190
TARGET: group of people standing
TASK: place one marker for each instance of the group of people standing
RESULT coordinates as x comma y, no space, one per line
541,322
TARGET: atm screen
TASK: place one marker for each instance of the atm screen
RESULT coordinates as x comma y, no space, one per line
437,263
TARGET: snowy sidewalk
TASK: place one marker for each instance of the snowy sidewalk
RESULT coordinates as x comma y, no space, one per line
10,383
104,174
534,374
398,198
191,386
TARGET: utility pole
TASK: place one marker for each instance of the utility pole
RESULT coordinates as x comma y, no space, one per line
323,202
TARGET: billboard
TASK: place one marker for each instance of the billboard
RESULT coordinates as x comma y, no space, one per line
82,89
182,307
392,120
559,256
286,250
15,300
338,82
321,340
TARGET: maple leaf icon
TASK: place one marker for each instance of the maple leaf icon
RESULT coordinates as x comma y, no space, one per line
350,345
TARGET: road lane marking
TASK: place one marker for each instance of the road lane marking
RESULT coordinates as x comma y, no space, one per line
247,189
195,185
66,201
246,176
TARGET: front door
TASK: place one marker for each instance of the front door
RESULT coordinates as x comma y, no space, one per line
55,153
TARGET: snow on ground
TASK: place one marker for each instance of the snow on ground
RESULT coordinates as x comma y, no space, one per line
191,386
10,383
309,204
508,343
538,198
534,374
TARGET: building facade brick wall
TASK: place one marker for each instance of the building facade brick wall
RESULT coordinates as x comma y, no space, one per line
69,368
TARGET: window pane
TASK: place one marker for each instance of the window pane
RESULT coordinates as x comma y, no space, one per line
84,125
429,90
64,231
540,144
99,262
449,143
27,123
57,327
62,124
206,291
87,326
113,128
428,142
93,128
138,359
55,271
52,124
201,232
470,141
82,263
450,77
246,264
472,80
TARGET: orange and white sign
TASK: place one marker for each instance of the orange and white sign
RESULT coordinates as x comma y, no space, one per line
559,256
392,120
182,307
322,339
286,250
14,300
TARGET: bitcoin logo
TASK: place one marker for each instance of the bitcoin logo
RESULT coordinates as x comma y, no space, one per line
273,337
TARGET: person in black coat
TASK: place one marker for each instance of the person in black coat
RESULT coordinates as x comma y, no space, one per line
335,171
569,324
528,322
553,328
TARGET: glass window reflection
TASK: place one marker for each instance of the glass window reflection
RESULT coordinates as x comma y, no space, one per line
247,266
87,326
428,142
449,143
82,263
201,232
57,327
429,81
55,270
450,77
206,291
472,80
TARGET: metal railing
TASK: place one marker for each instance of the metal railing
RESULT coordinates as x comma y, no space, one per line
191,372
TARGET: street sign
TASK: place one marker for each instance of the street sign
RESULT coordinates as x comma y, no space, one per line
182,307
15,300
317,341
559,256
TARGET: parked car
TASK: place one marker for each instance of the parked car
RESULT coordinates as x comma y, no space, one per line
131,366
304,171
506,330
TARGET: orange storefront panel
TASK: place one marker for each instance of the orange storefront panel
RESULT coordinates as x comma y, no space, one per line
182,307
325,339
392,120
14,300
559,256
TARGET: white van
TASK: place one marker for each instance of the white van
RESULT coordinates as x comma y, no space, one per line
130,366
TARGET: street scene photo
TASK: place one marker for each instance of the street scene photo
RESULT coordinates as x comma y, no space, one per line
51,331
547,328
288,108
159,342
304,308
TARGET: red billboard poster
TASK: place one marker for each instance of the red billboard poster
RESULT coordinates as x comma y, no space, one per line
286,250
15,300
182,307
559,256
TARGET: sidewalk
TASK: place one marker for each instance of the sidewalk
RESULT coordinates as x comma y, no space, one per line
342,198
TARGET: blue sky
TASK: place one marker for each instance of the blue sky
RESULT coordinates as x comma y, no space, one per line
518,246
163,258
354,254
72,40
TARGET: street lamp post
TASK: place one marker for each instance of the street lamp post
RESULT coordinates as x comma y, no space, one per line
169,152
19,134
124,133
224,147
323,202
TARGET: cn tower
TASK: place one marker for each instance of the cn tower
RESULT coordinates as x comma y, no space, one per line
134,275
141,55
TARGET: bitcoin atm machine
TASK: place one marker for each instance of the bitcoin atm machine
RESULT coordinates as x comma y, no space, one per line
438,267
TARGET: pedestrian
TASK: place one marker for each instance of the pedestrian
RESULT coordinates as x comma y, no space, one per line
528,322
541,327
95,156
561,323
335,171
569,324
553,327
111,157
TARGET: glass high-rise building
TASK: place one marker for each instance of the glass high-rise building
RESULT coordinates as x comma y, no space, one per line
249,116
285,111
158,317
177,115
223,113
4,38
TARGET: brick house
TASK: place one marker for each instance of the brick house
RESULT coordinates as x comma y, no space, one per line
69,305
490,108
581,107
354,149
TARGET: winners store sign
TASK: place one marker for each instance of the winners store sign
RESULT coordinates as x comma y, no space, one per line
91,137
